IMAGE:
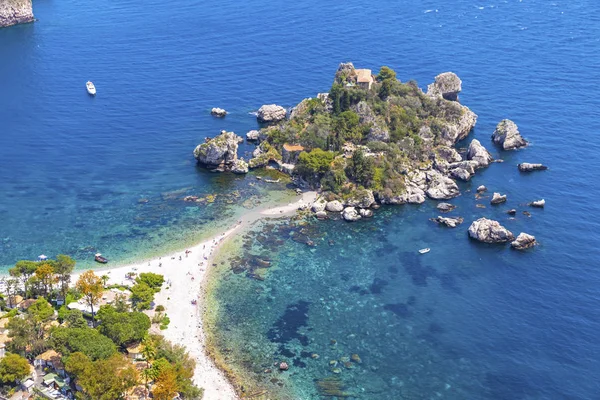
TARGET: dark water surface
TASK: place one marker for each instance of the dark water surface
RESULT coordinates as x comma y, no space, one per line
464,321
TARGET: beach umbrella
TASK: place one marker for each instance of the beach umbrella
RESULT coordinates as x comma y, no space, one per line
42,258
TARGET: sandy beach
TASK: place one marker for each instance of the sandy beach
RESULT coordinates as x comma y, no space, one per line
184,276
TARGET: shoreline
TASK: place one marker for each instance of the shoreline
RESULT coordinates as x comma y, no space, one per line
185,280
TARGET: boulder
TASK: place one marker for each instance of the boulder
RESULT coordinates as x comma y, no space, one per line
252,135
334,206
271,113
512,211
507,135
528,167
538,203
319,205
440,187
350,214
461,173
445,207
222,149
481,189
365,213
447,85
218,112
15,12
498,198
321,215
239,166
360,198
479,154
523,241
489,231
449,222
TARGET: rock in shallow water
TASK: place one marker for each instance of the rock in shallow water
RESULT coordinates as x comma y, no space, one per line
481,189
350,214
239,167
271,113
523,241
489,231
479,154
445,207
334,206
507,135
449,222
538,203
218,112
365,213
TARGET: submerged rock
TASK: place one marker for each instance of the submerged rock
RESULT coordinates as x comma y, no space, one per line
271,113
350,214
507,135
218,112
479,154
523,241
538,203
449,222
447,85
528,167
489,231
445,207
498,198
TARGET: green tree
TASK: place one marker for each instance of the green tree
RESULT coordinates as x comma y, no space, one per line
63,268
316,162
41,310
90,286
13,368
85,340
23,270
123,327
362,168
142,296
346,127
386,73
74,319
154,281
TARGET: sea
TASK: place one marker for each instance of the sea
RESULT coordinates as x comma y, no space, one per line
354,309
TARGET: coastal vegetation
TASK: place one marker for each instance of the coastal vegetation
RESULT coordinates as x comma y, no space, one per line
98,349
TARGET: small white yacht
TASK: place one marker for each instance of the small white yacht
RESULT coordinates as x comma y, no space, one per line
426,250
91,89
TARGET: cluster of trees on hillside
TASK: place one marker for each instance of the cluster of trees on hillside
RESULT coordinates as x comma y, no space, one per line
92,346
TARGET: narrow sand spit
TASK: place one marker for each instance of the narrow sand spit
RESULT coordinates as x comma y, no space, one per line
184,276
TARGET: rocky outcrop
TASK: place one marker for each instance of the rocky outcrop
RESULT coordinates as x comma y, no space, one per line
252,135
528,167
360,198
447,85
264,154
507,135
365,213
445,207
334,206
498,198
239,166
271,113
219,151
489,231
462,170
366,116
13,12
481,189
440,187
218,112
460,128
523,241
412,195
449,222
538,203
350,214
479,154
319,205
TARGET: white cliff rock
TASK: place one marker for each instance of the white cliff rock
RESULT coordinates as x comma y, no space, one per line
479,154
252,135
507,135
440,187
271,113
319,205
218,112
334,206
14,12
489,231
447,85
498,198
221,150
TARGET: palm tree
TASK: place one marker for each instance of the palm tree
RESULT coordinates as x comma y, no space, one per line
105,279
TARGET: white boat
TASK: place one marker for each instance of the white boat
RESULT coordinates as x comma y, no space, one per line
425,250
91,89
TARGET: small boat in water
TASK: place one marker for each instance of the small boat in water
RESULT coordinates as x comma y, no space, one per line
91,89
425,250
98,258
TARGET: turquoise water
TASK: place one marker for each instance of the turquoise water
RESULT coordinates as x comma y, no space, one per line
491,323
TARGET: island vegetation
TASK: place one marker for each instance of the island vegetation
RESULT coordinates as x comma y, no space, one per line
87,340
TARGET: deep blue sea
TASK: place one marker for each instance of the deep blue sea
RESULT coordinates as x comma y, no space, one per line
81,174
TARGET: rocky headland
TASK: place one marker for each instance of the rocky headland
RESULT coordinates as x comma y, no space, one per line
13,12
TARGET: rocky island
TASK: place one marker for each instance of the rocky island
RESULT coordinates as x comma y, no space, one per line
14,12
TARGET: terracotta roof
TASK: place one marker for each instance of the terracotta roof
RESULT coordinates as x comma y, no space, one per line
364,76
293,147
16,299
